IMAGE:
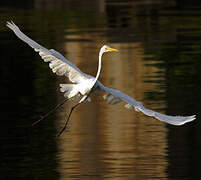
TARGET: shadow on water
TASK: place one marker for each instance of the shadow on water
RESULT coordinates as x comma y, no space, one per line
158,63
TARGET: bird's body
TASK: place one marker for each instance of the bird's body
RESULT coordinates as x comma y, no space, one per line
83,85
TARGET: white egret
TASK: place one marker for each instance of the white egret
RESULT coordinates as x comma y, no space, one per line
84,84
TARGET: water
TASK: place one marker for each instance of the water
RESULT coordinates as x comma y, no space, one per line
158,63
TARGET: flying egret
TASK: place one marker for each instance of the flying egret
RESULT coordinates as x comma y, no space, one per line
84,84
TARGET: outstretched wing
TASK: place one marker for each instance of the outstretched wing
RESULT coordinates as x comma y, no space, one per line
57,62
114,96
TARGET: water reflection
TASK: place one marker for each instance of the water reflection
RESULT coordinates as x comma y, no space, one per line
109,140
158,64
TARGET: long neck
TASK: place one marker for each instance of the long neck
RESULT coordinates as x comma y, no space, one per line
99,66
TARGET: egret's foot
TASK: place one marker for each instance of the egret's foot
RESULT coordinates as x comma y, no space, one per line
66,129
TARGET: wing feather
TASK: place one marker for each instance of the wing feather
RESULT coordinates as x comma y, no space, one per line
113,95
57,62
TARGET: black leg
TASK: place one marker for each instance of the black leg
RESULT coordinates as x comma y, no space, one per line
67,120
50,112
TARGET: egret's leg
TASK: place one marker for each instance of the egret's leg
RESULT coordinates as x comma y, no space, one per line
50,112
67,120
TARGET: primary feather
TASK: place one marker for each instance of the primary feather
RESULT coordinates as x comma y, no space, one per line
132,103
57,62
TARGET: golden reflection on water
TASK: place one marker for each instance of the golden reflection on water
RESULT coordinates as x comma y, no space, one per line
110,141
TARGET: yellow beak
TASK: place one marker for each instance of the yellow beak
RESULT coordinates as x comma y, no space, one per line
112,49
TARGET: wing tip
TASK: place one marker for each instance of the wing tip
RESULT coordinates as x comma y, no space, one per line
183,120
191,118
11,25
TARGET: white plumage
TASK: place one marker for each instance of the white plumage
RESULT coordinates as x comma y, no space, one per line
85,84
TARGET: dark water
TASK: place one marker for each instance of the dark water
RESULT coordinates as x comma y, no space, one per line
159,63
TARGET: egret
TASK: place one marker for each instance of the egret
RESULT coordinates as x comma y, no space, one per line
83,85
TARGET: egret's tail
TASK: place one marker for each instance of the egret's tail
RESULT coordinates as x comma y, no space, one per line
70,90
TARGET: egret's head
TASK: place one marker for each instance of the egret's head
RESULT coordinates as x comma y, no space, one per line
106,48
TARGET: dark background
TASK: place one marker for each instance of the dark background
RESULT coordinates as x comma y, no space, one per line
169,31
